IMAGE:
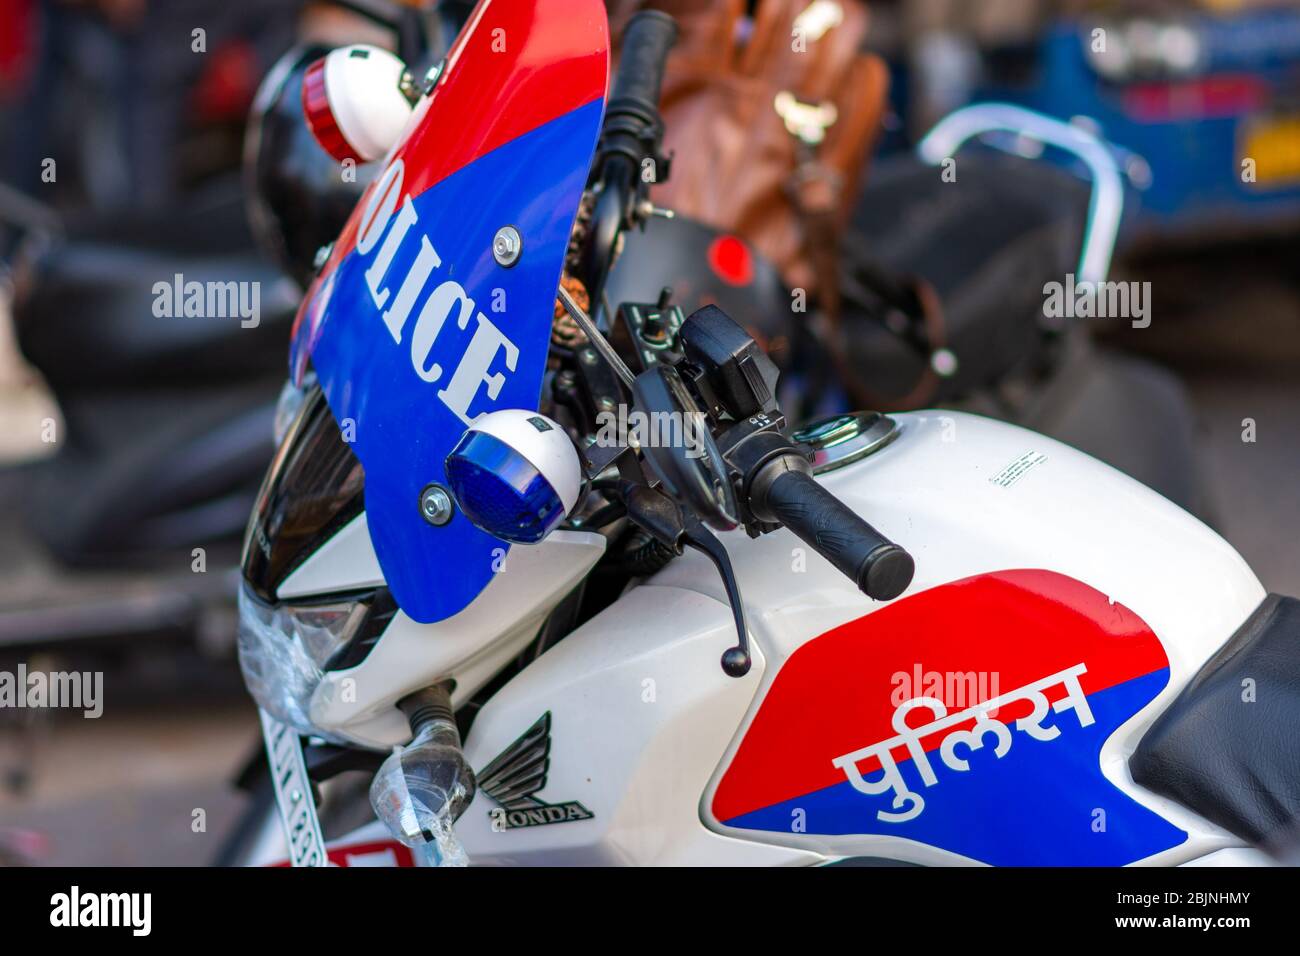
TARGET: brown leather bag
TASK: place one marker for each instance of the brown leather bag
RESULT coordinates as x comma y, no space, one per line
771,130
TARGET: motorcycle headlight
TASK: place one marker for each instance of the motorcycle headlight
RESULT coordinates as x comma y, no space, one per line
285,649
314,487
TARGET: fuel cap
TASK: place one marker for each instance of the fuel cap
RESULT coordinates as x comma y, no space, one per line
843,439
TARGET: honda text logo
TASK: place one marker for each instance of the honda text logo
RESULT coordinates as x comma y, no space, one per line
514,778
382,231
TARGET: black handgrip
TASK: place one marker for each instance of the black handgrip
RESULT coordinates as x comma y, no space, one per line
880,568
647,39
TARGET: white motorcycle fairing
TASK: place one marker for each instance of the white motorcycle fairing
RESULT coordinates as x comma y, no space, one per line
1037,566
645,732
360,702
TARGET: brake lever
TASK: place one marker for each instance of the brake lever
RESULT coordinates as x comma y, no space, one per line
677,528
736,661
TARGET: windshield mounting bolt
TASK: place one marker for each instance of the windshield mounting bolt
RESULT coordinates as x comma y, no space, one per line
507,246
436,505
433,76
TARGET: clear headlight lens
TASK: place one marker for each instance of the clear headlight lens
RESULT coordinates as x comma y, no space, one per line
284,651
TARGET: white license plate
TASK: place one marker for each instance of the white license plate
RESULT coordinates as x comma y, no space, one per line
293,793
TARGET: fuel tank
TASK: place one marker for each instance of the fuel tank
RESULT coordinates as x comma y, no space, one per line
985,716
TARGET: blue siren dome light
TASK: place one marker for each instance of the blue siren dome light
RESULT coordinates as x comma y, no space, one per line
515,474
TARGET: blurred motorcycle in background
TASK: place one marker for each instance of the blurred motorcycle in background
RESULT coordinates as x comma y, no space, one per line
161,425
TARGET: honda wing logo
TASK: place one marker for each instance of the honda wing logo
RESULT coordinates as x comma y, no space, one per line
514,778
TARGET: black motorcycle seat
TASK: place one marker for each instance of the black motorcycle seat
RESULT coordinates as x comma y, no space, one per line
1227,746
986,243
90,319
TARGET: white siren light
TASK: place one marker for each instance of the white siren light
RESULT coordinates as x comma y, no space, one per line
354,103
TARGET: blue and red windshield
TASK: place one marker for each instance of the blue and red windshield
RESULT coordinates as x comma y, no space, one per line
413,327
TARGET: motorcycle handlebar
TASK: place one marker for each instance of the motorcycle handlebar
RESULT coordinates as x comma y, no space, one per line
647,39
786,491
629,135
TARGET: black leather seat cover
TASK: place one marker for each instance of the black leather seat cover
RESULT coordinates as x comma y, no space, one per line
1229,745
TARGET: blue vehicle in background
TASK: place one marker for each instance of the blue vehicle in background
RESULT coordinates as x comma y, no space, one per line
1206,107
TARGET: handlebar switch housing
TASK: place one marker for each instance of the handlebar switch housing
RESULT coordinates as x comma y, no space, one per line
732,373
749,448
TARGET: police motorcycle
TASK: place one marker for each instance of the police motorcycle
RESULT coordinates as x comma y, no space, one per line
485,622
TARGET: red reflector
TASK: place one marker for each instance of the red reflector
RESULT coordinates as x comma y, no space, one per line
320,117
731,260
